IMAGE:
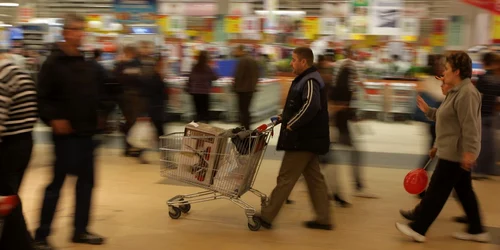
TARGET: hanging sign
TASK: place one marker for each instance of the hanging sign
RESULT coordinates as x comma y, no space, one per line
455,30
311,27
385,18
135,11
328,25
232,24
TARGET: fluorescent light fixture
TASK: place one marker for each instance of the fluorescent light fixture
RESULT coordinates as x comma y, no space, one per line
282,12
9,4
5,25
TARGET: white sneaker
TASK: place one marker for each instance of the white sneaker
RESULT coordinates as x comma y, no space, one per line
482,237
406,230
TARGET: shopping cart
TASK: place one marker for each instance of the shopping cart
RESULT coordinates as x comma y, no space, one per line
227,170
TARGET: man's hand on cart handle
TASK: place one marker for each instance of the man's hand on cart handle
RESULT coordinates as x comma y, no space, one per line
276,119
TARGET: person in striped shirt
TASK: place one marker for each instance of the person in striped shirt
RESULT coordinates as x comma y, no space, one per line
18,114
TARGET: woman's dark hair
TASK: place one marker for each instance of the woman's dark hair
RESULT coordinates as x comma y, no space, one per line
489,59
321,58
462,62
202,62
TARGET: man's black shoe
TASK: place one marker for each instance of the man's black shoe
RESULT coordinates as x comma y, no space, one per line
42,245
88,238
316,225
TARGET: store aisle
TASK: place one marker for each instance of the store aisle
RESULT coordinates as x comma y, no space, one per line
130,210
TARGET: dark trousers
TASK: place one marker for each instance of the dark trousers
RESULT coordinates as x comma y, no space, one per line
157,115
201,104
244,101
74,155
342,119
15,154
486,161
432,133
133,106
448,175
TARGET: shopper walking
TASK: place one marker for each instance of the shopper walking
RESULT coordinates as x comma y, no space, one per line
70,94
245,82
18,114
199,85
458,143
489,86
346,79
304,136
129,75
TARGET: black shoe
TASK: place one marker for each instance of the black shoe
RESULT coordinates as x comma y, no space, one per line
88,238
421,195
409,215
316,225
341,202
461,219
290,201
264,223
42,245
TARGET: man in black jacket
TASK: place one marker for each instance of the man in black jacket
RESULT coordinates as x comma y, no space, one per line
70,91
304,136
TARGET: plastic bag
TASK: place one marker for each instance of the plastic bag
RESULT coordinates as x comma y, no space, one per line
142,135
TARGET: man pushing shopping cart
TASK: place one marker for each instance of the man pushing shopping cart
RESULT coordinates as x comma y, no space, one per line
304,136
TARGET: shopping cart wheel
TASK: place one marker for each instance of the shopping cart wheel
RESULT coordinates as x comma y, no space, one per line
255,226
185,208
174,212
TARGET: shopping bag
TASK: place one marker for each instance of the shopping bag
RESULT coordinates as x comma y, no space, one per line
142,135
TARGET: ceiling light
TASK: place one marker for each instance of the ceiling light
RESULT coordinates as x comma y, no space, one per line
9,4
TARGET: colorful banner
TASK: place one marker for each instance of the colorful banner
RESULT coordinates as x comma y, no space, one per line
311,27
495,29
455,31
232,24
135,11
490,5
358,21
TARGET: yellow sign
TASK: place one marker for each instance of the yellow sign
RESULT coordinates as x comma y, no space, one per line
162,22
232,24
438,40
311,27
192,33
409,38
357,37
495,27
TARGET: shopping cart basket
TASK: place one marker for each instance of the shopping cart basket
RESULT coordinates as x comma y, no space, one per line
226,170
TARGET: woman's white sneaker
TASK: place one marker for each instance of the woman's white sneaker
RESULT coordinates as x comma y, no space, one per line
482,237
406,230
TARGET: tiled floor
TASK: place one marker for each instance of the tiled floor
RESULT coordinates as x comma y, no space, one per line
129,209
